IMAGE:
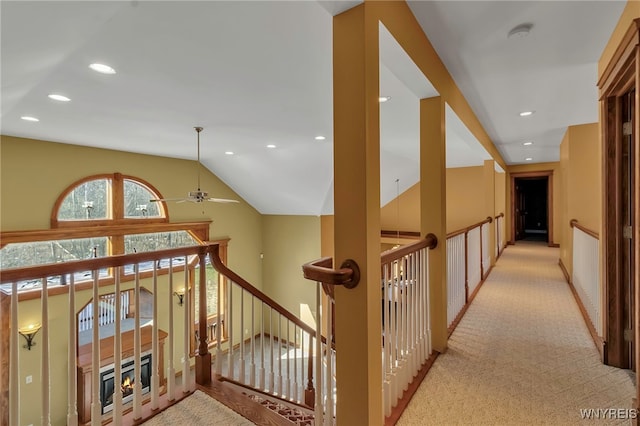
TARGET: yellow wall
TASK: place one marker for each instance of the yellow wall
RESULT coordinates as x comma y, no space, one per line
557,194
580,160
408,218
465,197
465,202
282,272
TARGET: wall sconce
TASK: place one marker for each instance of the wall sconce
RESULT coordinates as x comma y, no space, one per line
29,333
180,294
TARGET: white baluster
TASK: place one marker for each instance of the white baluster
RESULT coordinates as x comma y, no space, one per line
319,412
137,381
186,364
155,376
171,373
96,407
219,326
241,377
231,372
14,379
117,354
252,365
271,351
72,368
262,354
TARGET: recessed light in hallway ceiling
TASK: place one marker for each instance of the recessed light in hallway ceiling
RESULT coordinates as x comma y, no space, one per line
102,68
229,152
527,143
320,138
271,146
526,113
58,97
382,99
528,159
29,118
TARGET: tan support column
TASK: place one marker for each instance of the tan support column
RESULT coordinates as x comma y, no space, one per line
433,210
490,205
356,151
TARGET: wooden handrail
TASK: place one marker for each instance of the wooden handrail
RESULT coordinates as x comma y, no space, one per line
500,215
489,219
575,224
35,272
430,242
321,271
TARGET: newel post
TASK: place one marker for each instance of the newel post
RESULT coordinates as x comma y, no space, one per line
203,356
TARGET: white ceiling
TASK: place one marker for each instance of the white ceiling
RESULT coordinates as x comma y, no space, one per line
258,73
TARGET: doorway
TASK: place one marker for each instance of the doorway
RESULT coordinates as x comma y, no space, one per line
532,221
532,207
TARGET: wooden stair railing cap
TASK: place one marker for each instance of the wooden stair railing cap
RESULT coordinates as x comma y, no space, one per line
320,270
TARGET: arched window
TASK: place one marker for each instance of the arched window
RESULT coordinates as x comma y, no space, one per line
107,200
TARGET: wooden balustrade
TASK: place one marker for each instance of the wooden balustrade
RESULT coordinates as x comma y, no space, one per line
87,405
267,346
468,264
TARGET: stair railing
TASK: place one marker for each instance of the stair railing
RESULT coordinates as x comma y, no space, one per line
321,271
262,345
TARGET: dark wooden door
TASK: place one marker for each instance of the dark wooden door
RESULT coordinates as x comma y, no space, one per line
521,211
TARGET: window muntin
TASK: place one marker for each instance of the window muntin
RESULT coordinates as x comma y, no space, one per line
137,203
88,201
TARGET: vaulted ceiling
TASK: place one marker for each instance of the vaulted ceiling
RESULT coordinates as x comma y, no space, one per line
259,73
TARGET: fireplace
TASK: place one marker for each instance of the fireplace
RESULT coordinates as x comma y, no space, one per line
127,381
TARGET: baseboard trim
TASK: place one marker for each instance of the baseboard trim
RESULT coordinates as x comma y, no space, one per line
402,404
597,340
564,271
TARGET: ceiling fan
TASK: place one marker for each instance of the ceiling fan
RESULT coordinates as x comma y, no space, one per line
197,196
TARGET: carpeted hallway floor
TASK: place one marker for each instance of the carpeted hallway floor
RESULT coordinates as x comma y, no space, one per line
521,355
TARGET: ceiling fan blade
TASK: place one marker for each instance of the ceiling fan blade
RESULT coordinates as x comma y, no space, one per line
222,200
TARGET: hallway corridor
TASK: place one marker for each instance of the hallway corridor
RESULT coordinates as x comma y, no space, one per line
521,355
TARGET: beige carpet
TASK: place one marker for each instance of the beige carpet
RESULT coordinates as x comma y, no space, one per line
521,355
198,409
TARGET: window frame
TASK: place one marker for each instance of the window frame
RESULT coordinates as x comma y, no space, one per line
115,203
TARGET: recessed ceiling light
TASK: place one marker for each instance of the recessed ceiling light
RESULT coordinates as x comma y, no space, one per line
57,97
384,98
320,138
271,145
520,31
102,68
229,152
527,143
526,113
29,118
528,159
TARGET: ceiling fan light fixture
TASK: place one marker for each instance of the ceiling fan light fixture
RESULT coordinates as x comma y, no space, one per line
520,31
